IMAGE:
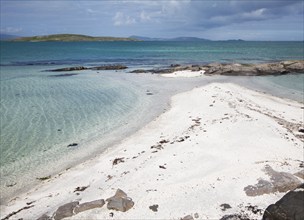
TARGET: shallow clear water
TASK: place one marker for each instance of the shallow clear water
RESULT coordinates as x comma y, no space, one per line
41,114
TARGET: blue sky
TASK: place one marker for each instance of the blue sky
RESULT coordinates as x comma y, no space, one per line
212,19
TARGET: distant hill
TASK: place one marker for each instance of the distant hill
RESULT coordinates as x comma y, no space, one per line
71,37
169,39
7,36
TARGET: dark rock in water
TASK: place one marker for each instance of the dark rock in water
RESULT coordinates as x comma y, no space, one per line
63,75
73,145
120,201
109,67
149,93
66,210
154,208
140,71
104,67
89,205
289,207
44,217
69,69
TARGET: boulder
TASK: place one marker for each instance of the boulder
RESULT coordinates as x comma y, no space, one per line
89,205
289,207
120,201
66,210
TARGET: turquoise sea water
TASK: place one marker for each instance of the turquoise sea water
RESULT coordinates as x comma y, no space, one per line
41,114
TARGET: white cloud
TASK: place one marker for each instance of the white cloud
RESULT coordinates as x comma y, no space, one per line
144,17
120,19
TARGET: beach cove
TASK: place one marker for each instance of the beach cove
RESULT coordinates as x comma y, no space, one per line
205,151
178,144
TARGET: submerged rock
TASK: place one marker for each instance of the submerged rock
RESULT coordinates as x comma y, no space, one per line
69,69
289,207
120,201
109,67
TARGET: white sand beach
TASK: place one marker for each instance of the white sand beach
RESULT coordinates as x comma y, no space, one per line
212,143
184,73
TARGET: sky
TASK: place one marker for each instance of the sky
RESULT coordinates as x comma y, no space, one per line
210,19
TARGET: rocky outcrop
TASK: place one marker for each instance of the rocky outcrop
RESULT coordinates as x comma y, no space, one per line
236,69
120,201
66,69
278,68
66,210
104,67
289,207
109,67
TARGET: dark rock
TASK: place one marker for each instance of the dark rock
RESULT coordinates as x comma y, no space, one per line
66,69
149,93
109,67
73,145
225,206
80,188
289,207
154,208
235,217
66,210
118,160
301,130
44,217
89,205
187,217
63,75
120,201
140,71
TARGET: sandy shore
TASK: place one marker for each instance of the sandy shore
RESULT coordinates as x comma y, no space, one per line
213,142
184,73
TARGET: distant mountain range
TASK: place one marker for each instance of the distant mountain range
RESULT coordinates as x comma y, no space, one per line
78,37
169,39
70,38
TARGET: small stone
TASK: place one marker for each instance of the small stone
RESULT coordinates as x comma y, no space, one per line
301,129
154,208
196,215
225,206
